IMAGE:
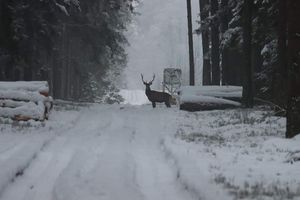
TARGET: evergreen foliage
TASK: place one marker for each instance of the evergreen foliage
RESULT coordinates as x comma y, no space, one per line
264,42
70,43
262,46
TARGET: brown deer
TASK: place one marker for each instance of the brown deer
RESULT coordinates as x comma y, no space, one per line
155,96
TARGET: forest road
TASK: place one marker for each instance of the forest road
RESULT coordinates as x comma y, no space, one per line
109,154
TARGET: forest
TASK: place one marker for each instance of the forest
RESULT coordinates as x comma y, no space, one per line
256,44
77,46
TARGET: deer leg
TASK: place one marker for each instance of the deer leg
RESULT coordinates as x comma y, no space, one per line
168,104
153,104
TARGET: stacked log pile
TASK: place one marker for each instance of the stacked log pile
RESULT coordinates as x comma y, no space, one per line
24,101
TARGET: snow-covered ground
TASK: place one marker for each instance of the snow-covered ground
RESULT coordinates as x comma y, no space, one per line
115,152
134,97
242,151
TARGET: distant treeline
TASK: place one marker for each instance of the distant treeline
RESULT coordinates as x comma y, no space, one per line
77,45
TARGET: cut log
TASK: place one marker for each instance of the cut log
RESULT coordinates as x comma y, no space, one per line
192,107
21,118
197,98
30,110
230,92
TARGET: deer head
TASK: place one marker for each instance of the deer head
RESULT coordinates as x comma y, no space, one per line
148,84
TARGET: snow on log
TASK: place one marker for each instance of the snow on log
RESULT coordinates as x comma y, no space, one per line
25,100
33,86
25,112
214,91
195,98
22,95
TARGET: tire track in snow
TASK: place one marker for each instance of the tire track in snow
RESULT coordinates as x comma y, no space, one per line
16,160
110,154
130,165
40,176
156,177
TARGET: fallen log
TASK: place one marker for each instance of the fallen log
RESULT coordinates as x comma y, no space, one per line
198,98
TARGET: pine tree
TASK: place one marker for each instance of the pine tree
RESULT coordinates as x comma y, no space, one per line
191,45
215,40
247,47
204,31
293,50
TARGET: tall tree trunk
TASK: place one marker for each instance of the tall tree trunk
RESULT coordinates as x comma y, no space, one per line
215,46
65,69
224,51
191,46
279,78
247,47
5,22
293,108
204,13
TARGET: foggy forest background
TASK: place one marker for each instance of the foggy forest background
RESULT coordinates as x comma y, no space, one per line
79,47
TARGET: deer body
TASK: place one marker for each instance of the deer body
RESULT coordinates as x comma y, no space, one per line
155,96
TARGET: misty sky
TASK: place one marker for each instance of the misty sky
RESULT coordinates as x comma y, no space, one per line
158,39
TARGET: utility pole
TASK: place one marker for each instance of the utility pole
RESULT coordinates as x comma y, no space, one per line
191,47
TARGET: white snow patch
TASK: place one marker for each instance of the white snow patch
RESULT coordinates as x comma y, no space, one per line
134,97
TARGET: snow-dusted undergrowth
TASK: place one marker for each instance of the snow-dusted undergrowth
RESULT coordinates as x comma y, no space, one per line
242,151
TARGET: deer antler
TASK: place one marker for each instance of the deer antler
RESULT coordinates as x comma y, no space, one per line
152,79
143,78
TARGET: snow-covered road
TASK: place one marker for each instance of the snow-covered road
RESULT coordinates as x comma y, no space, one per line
110,153
122,152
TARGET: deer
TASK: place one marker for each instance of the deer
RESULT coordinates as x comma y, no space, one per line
155,96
